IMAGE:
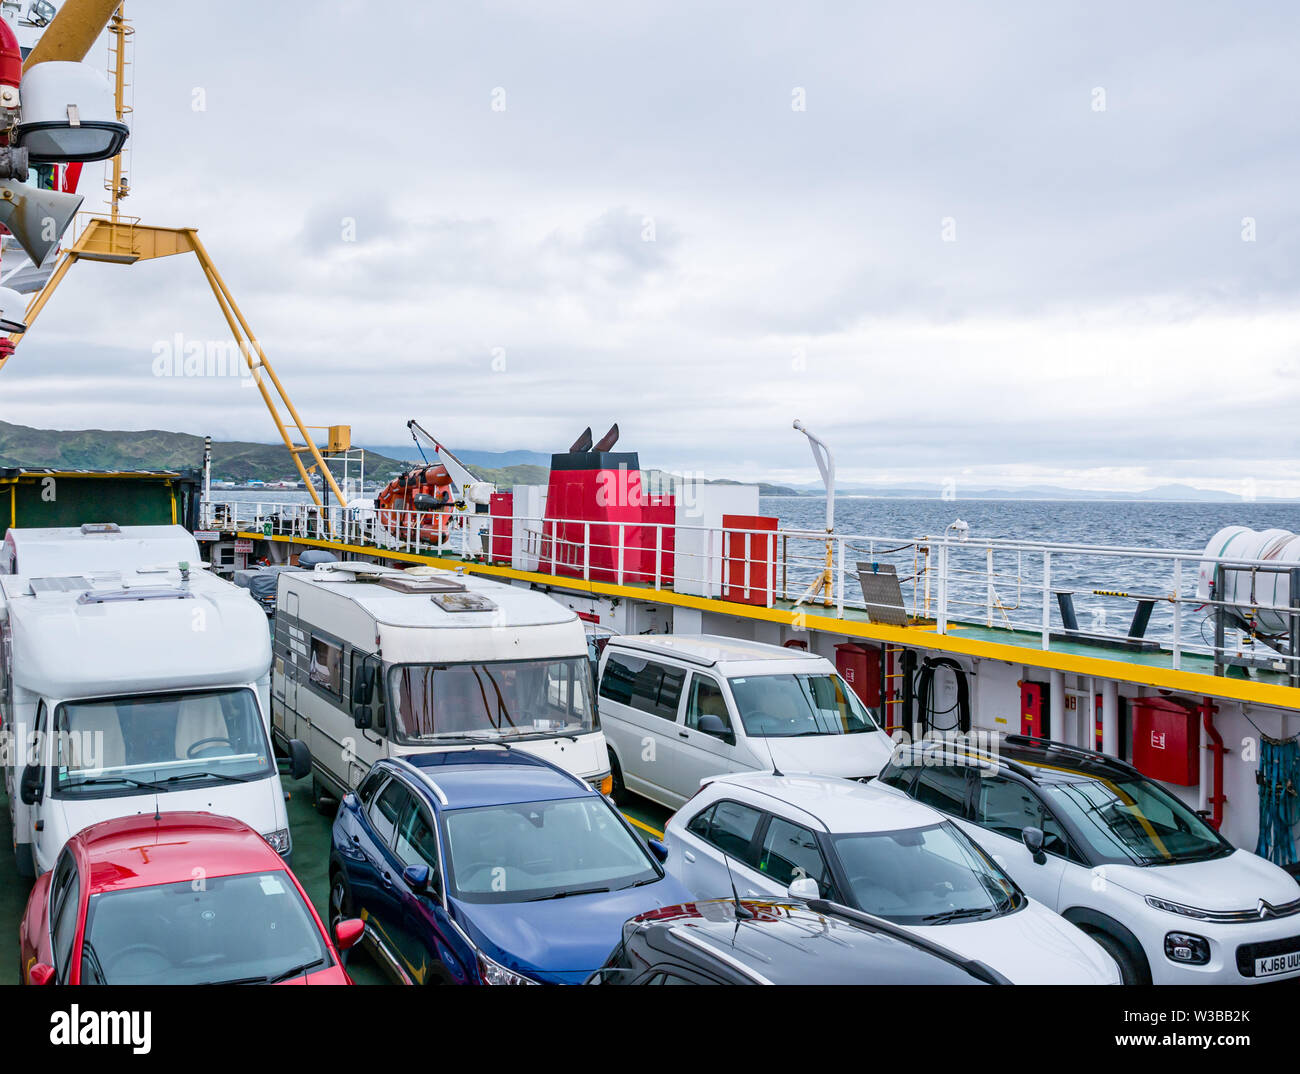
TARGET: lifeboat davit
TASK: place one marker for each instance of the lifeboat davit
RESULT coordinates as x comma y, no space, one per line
427,491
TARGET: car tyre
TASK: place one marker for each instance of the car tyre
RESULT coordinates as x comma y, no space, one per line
1131,970
340,907
325,803
617,791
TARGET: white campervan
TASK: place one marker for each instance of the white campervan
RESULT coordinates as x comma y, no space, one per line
372,661
679,709
130,688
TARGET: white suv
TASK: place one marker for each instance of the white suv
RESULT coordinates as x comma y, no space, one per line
1090,836
677,709
860,846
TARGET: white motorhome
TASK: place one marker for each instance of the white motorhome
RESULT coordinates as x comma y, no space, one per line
372,661
131,683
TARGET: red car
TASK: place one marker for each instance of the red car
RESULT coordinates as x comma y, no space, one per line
178,898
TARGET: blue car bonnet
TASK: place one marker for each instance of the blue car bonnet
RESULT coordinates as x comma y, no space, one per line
561,941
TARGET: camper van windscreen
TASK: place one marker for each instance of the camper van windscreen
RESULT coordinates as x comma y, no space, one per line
176,741
504,699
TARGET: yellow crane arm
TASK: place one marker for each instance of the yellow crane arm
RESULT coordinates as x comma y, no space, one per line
72,32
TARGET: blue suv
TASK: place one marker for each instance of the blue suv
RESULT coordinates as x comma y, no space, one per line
490,866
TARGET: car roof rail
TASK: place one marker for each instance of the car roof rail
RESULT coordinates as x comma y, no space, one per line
1082,752
992,756
977,969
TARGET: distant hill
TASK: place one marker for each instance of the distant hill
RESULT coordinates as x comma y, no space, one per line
154,449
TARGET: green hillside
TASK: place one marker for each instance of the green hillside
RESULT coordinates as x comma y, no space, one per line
154,449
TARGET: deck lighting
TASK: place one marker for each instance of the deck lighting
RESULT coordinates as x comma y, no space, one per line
68,115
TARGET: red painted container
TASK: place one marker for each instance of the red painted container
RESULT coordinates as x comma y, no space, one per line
859,666
747,558
500,508
1167,740
1034,710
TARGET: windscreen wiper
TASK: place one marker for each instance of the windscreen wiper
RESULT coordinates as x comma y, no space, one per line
208,775
114,779
566,894
955,915
294,972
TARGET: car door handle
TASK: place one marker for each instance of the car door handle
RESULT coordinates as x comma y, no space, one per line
682,734
688,855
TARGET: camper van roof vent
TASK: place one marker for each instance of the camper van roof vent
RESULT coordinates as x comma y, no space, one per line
133,593
87,528
45,587
464,602
404,583
351,571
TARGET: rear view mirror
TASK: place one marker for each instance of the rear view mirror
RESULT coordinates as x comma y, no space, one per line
804,887
42,973
1033,839
417,877
299,759
713,725
32,788
348,931
363,686
361,716
658,849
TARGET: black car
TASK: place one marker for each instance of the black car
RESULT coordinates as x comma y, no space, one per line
784,942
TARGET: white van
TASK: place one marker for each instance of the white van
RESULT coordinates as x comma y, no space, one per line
677,709
372,662
130,691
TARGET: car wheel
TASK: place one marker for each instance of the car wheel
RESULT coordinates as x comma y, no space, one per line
617,791
1131,970
326,804
340,899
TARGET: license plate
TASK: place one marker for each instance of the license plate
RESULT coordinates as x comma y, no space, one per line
1275,964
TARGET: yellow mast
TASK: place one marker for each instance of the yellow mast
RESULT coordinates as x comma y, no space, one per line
124,240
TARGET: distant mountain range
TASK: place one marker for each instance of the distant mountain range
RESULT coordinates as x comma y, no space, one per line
154,449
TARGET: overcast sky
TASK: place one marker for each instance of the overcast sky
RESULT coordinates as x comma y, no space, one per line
995,243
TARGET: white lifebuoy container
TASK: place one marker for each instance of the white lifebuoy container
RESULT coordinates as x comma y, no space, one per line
1243,543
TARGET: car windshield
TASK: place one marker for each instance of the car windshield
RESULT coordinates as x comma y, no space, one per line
924,876
791,706
508,699
1134,821
542,850
251,928
156,742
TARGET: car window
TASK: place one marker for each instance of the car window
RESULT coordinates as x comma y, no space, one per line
385,810
416,843
943,787
790,851
706,699
730,827
645,685
1007,807
63,930
897,774
370,785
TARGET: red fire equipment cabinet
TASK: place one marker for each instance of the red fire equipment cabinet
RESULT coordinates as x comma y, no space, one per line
502,506
747,558
1035,710
1167,740
859,666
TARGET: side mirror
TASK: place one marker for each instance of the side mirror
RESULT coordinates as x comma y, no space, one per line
1033,839
658,849
32,788
713,725
363,686
803,887
361,716
417,878
42,973
299,758
348,931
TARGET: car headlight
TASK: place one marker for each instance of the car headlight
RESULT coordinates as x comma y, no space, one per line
279,841
1187,948
1174,907
494,973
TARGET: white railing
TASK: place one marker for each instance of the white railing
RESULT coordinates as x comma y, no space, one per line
1030,593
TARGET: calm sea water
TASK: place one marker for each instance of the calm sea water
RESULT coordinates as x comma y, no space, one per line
1018,578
